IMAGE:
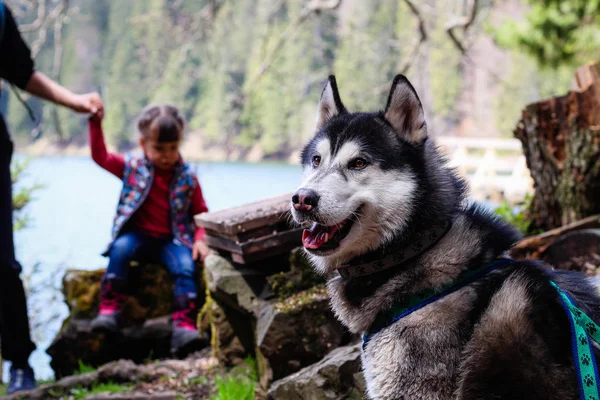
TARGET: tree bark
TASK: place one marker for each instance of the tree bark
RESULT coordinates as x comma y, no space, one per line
561,141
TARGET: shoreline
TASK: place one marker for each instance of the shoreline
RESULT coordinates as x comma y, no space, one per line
191,151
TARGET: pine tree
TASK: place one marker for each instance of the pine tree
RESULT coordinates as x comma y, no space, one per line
556,32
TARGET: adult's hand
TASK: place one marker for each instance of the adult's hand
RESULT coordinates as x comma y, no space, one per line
43,87
89,103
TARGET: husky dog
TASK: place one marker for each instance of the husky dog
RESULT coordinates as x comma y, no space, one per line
393,220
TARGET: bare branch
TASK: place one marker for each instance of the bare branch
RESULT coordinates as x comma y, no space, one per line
199,23
58,11
464,23
21,7
412,55
290,31
408,60
39,20
58,46
57,64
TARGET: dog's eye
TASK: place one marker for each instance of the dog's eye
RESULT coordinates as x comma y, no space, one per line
358,163
316,160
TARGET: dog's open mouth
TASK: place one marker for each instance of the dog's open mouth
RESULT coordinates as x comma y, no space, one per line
321,238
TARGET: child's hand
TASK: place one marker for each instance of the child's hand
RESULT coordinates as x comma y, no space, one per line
200,249
97,115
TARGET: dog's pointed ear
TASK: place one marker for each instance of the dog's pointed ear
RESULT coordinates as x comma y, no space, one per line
405,112
330,104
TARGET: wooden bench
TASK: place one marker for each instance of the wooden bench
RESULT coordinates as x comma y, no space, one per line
253,231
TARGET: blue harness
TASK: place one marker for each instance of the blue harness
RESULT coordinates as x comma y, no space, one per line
582,327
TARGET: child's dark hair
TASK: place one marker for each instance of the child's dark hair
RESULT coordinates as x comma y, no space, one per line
166,119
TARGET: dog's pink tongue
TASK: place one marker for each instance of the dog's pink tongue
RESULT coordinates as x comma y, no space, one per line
317,235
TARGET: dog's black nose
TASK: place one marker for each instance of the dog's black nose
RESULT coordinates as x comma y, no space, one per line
305,200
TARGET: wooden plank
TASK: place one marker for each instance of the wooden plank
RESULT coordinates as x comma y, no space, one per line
223,244
256,245
248,216
241,237
264,254
273,241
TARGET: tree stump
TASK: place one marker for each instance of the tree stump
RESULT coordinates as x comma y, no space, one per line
561,142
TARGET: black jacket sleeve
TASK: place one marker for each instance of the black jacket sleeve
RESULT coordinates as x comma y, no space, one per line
16,65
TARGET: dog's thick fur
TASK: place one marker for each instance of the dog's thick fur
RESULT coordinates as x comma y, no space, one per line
505,336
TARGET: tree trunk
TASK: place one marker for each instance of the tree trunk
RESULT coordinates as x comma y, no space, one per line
561,141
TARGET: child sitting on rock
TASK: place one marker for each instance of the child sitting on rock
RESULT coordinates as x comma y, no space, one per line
154,219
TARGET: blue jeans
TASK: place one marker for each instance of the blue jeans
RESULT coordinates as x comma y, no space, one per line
141,247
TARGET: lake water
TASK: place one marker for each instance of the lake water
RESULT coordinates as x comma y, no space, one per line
71,219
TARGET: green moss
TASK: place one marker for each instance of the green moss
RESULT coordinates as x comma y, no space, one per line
295,302
262,368
300,277
82,291
206,318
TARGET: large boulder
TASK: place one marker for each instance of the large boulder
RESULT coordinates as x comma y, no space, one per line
337,376
234,294
238,293
76,344
277,311
239,288
296,332
145,318
150,293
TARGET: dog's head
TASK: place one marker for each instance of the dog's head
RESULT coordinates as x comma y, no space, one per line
360,176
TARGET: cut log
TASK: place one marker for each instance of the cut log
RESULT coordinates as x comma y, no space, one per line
561,142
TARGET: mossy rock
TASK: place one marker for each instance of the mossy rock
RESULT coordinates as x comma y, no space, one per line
297,332
337,376
150,293
82,292
226,345
145,318
300,277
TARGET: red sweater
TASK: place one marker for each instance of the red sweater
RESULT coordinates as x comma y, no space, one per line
153,216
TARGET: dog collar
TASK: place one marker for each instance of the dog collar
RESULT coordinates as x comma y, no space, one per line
380,260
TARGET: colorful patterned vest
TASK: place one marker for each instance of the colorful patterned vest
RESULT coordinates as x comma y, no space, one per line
137,181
